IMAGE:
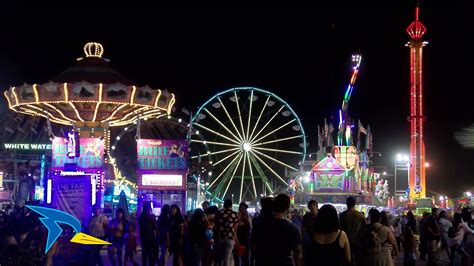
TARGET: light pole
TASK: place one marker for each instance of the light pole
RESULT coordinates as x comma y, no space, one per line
401,158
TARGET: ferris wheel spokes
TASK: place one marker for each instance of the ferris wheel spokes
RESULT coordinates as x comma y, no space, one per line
214,142
232,176
227,157
266,124
273,131
243,176
260,116
216,152
230,118
250,114
216,133
269,168
278,150
223,171
276,140
251,176
276,160
240,115
222,124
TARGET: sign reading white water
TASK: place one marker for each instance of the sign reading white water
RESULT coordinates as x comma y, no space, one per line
26,146
162,180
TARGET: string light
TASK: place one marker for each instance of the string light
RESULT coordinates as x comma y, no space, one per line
93,49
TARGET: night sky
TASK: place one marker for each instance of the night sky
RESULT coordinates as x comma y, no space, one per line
302,55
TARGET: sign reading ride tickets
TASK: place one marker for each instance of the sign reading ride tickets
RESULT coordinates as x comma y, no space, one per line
153,154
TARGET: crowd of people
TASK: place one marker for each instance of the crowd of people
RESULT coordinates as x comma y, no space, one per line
274,236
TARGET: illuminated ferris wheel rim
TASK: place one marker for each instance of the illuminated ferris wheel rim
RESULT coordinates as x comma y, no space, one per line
236,89
249,146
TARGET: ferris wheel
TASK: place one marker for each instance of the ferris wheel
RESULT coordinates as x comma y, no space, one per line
251,139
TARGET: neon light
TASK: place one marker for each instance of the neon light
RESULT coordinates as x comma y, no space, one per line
94,189
48,191
98,103
35,91
157,98
15,96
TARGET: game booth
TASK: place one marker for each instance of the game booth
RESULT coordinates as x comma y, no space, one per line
162,173
76,177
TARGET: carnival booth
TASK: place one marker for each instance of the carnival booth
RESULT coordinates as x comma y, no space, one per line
162,172
76,177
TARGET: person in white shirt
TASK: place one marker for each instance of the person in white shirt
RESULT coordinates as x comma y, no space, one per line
397,226
444,225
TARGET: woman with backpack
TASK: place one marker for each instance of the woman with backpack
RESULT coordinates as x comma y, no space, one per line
375,239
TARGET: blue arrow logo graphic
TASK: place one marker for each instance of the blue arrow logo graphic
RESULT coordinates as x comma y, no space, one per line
51,219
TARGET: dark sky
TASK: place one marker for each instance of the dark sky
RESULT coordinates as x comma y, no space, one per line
302,55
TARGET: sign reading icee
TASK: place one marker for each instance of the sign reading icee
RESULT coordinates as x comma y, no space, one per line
162,154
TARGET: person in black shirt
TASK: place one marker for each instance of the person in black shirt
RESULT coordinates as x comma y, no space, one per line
432,236
309,218
278,241
197,236
148,235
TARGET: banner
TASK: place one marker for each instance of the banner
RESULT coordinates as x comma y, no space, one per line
154,154
73,194
91,153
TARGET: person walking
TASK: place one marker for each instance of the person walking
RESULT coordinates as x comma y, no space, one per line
116,237
163,225
243,234
327,245
97,227
276,240
177,224
225,236
148,235
351,222
433,236
197,236
375,239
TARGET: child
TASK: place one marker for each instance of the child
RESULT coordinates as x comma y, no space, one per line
410,247
131,244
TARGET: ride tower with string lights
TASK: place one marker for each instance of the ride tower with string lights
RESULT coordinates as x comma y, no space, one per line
417,174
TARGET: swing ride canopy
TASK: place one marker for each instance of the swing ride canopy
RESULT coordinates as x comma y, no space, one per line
90,92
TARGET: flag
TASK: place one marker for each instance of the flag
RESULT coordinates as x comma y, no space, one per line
320,138
330,139
368,139
362,129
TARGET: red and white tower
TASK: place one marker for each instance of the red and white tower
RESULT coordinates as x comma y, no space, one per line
416,30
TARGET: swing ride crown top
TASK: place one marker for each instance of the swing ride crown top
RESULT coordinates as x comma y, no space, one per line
91,94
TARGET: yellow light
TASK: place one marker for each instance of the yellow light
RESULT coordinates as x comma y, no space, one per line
157,98
59,111
35,91
170,106
114,112
133,94
98,103
66,96
93,49
14,95
75,110
8,100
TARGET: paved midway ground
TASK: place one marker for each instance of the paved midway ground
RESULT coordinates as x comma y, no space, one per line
138,258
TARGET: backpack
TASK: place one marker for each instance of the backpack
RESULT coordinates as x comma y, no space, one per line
372,242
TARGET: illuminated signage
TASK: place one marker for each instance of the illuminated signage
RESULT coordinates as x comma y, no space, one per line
91,152
347,156
26,146
73,145
155,154
162,180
